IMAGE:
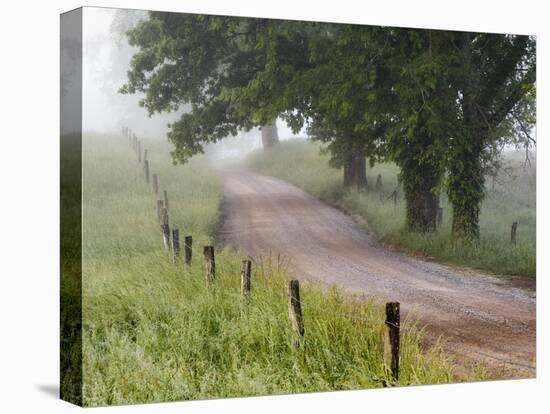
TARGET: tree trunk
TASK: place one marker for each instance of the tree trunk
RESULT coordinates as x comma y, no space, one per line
270,136
466,178
355,172
419,182
465,191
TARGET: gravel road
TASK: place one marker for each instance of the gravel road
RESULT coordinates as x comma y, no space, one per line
484,319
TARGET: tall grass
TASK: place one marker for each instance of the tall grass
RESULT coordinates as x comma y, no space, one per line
71,269
154,331
300,163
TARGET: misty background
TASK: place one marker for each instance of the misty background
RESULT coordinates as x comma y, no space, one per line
106,59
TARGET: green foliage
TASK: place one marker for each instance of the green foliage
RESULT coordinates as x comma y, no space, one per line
433,102
512,199
495,75
199,61
154,331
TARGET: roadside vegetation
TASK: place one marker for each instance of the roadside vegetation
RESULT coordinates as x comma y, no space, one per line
441,105
511,200
154,331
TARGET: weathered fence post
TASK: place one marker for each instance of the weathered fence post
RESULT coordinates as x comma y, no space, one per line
209,263
245,278
391,339
166,199
295,311
146,170
165,229
188,249
160,208
155,184
139,151
176,244
439,217
513,232
379,181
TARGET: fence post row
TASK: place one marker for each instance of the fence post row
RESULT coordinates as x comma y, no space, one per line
392,323
209,263
391,339
166,199
245,278
160,208
176,244
146,169
295,311
165,229
188,249
155,184
513,232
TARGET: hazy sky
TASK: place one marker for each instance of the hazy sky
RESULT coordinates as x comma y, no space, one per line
105,64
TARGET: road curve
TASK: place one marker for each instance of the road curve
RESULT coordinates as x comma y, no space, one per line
483,318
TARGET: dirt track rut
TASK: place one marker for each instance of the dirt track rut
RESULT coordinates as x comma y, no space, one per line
484,319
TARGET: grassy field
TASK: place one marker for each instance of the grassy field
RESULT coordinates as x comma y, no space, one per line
154,330
71,269
299,162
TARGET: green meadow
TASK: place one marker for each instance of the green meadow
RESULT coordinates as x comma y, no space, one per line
154,330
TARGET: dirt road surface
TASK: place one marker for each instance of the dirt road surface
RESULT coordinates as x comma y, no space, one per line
486,320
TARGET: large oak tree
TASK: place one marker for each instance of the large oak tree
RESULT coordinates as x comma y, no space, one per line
437,103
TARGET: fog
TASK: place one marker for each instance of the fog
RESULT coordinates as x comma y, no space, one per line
106,58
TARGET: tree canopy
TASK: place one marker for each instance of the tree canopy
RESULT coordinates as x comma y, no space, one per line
437,103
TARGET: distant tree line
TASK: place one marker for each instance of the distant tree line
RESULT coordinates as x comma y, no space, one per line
439,104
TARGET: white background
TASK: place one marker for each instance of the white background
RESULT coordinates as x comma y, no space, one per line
29,186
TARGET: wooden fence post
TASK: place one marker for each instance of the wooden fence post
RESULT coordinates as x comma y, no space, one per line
391,339
160,208
188,248
245,278
513,232
379,181
176,244
166,199
295,311
139,150
165,229
209,263
439,217
146,170
155,184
